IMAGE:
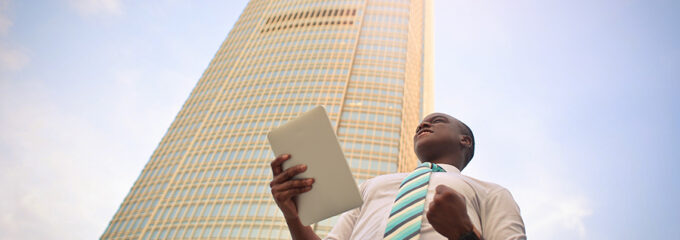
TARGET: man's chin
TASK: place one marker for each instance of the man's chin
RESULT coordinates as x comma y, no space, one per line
422,149
421,143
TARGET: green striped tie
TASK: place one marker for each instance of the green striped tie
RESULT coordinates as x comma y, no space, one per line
407,212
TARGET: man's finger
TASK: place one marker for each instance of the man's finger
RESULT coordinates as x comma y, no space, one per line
290,193
277,164
292,184
442,188
289,173
432,211
448,193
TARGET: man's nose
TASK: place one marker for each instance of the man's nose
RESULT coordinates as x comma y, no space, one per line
424,124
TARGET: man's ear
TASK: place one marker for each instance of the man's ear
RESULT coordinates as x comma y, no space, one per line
465,141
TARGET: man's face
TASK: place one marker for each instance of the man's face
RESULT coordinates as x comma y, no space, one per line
436,133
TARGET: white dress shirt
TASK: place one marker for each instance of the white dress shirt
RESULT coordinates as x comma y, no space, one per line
491,207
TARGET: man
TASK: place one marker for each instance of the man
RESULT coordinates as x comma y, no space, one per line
455,206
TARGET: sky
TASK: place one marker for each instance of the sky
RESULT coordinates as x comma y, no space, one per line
574,106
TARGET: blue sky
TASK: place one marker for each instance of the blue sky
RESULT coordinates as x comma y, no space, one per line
573,105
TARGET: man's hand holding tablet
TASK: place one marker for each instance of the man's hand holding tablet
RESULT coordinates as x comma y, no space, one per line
309,154
285,188
284,191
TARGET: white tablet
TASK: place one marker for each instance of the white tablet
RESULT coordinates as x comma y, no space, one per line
310,140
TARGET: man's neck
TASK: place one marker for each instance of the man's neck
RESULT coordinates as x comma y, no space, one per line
450,159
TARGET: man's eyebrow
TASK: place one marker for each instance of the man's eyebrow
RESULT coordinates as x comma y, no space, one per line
439,116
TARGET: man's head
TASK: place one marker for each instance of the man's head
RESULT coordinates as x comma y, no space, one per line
442,138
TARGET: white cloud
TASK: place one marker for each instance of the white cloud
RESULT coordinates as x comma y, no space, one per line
64,172
37,173
552,207
97,7
12,59
515,149
550,213
61,176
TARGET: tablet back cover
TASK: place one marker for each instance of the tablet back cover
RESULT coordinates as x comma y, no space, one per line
310,140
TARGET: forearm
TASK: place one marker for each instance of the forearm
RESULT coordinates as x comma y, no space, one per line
299,231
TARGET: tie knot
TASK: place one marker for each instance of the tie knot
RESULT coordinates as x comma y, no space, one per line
433,166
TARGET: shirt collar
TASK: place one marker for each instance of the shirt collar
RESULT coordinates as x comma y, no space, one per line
449,168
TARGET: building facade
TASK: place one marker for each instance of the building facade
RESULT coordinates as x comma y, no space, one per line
367,61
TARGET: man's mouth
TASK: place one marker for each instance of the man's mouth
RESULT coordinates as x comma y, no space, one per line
423,132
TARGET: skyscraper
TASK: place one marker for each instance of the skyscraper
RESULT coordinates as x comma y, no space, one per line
367,61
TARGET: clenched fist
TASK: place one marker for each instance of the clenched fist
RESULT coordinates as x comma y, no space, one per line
448,213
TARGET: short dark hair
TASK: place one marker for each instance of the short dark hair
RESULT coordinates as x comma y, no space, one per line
469,153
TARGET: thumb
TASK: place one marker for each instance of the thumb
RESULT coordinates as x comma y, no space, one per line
442,188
